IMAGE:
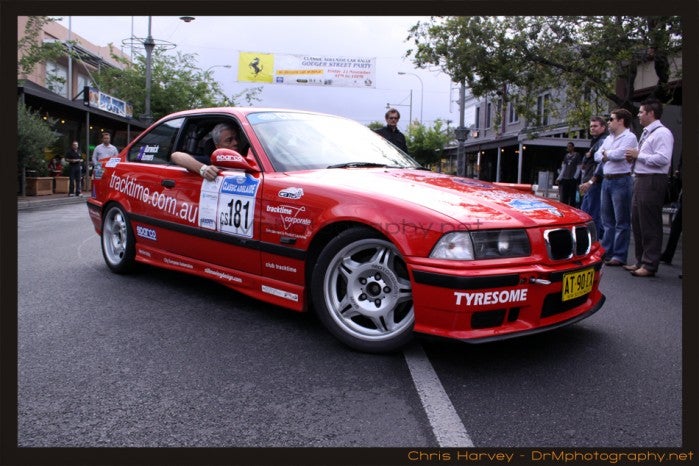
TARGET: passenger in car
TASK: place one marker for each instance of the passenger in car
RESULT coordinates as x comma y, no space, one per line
224,136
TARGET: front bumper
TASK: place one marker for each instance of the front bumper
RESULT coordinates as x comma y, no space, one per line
490,306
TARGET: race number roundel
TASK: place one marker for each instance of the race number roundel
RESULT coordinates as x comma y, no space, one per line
228,205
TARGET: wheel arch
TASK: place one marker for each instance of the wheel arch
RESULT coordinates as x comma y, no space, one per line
323,237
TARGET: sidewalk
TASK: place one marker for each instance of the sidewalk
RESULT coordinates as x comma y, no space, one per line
50,200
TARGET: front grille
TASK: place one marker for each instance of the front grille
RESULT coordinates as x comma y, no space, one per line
564,243
487,319
554,305
582,241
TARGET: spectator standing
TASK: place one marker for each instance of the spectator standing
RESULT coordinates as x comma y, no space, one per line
567,181
55,166
104,150
617,187
391,133
651,161
75,162
591,173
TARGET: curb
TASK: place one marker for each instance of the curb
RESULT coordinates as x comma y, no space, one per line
38,203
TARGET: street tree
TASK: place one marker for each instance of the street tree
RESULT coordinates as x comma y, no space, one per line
177,83
426,144
32,51
586,57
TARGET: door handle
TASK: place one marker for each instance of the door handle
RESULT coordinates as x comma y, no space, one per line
168,183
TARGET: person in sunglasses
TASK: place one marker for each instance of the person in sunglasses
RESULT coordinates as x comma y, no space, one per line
391,133
617,187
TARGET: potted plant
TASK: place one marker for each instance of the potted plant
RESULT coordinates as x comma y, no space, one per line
33,136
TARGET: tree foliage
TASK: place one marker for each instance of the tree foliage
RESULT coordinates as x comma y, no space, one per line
34,135
426,144
32,51
525,55
177,83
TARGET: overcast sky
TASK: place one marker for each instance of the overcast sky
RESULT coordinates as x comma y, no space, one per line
218,40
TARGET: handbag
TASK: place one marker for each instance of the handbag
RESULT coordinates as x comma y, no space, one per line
674,186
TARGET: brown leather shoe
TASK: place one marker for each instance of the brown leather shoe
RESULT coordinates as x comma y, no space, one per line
614,263
641,272
631,267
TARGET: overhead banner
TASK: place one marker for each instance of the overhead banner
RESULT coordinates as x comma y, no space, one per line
306,70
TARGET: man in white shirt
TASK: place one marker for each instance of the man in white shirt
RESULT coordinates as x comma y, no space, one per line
617,187
652,162
104,150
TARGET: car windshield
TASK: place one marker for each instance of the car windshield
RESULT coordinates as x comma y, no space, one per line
301,141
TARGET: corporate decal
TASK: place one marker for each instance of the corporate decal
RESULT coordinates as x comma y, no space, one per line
159,200
293,223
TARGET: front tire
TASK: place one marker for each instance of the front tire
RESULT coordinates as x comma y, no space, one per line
362,292
118,243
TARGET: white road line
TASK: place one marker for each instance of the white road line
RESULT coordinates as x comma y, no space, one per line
446,424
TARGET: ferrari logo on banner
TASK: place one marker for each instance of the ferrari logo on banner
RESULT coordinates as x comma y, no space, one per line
255,67
307,70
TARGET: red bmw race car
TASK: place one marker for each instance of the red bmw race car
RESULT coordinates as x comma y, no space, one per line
318,212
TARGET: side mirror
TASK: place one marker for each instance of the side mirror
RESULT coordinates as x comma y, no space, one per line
227,158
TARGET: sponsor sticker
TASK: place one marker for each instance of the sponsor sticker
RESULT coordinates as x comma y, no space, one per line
291,193
145,232
280,293
485,298
527,205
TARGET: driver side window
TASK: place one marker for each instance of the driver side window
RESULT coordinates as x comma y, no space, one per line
197,139
155,147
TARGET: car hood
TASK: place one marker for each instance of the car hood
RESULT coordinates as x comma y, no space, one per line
465,200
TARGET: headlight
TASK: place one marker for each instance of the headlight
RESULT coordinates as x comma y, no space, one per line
488,244
454,246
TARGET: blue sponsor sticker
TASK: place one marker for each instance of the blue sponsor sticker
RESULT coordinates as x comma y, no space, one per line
526,205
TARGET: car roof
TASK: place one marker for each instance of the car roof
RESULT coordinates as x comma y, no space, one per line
239,111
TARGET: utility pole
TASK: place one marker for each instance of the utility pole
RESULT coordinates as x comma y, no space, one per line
461,133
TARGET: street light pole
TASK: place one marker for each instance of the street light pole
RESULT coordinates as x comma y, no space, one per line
422,91
410,104
149,45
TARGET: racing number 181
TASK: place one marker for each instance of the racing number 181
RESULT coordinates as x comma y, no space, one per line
235,218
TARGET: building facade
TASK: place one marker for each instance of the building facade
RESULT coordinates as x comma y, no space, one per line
56,89
519,151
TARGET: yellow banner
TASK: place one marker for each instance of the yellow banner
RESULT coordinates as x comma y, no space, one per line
307,70
255,67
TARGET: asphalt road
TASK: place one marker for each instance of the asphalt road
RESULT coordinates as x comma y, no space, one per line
163,359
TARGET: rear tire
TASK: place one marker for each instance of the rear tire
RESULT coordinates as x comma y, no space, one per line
362,292
118,243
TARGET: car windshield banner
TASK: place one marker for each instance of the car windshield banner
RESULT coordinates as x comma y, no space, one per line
307,70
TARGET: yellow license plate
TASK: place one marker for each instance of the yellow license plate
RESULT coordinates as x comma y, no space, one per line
576,284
